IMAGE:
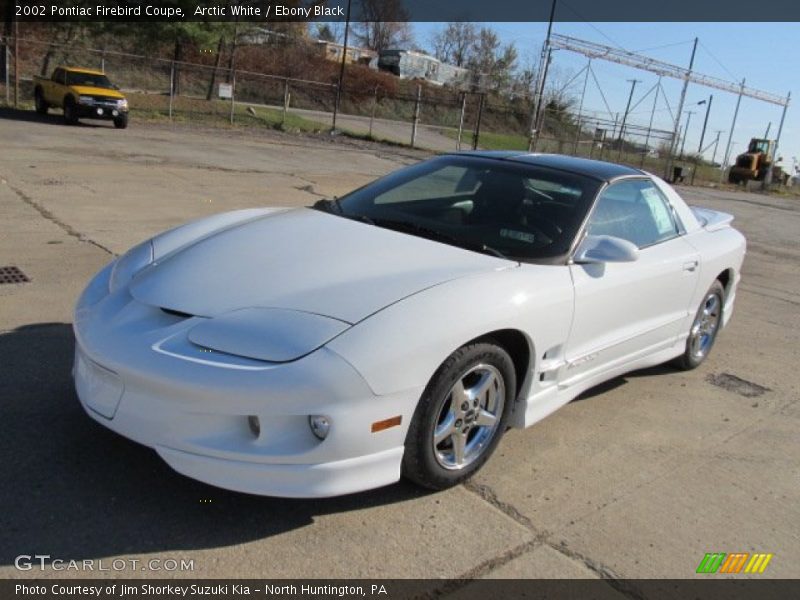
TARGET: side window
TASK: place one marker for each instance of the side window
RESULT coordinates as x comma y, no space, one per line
58,76
634,210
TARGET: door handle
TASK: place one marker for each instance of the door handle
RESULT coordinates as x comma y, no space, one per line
690,266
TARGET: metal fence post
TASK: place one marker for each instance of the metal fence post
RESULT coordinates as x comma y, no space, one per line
171,87
335,108
477,133
285,100
16,64
233,93
374,107
8,82
461,119
416,116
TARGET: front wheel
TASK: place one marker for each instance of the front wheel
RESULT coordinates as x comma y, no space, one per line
121,122
70,112
704,329
461,416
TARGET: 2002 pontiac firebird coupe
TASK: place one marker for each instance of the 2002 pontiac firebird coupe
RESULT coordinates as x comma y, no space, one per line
401,329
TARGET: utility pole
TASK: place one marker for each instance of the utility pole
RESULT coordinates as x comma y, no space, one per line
705,123
539,96
686,131
620,140
677,129
580,108
716,145
341,68
650,125
699,156
730,135
768,176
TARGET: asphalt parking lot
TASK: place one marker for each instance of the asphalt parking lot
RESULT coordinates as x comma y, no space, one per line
636,479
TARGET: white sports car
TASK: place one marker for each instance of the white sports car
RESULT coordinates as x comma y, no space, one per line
400,330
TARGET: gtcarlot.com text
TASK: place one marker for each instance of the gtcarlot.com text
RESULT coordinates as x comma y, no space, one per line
28,562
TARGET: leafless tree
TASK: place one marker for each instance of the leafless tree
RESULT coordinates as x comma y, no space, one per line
453,44
382,24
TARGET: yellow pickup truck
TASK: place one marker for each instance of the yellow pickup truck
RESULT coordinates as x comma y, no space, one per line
82,94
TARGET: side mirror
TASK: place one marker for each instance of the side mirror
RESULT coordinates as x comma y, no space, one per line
605,249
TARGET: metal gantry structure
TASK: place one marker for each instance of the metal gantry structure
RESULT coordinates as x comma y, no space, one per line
593,51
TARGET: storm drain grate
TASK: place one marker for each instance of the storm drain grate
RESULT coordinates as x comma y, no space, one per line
12,275
737,385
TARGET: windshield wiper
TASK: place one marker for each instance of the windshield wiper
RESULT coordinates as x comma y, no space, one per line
436,235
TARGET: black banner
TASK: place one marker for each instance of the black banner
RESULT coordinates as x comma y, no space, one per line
266,11
702,588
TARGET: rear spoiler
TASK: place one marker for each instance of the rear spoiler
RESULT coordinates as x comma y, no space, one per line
712,220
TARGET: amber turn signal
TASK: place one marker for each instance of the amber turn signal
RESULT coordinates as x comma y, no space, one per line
386,423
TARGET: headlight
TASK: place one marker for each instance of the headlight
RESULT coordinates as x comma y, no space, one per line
85,100
122,103
129,264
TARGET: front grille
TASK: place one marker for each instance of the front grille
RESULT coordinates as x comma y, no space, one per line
104,101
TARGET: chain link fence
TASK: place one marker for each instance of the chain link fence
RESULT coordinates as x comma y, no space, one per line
409,113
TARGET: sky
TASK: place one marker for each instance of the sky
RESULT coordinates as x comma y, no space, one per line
766,54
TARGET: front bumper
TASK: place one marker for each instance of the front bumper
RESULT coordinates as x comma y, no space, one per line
100,111
137,373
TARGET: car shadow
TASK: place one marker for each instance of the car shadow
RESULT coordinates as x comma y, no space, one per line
617,382
75,490
31,116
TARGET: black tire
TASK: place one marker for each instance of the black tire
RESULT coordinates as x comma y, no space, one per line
691,358
70,115
424,460
121,122
38,100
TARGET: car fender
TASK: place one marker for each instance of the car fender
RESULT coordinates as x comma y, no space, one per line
401,346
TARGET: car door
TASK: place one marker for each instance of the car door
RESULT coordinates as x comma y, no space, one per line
625,310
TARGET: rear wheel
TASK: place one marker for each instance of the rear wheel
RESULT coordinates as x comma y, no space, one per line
461,416
41,105
70,112
704,329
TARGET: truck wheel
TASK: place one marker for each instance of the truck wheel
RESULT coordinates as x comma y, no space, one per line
41,105
121,122
70,116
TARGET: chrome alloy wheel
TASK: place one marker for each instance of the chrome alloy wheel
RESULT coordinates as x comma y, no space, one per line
705,325
469,417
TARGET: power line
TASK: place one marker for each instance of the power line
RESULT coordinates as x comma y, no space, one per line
590,24
664,46
724,68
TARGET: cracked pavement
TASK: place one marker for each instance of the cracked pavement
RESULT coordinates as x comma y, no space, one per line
638,478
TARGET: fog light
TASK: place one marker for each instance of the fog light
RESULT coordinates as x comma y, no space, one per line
254,424
320,426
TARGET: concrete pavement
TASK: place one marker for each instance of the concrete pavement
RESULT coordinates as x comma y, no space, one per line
638,478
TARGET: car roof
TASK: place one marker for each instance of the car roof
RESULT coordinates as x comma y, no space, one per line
82,70
597,169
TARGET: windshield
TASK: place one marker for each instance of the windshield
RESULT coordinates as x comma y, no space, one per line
518,211
88,79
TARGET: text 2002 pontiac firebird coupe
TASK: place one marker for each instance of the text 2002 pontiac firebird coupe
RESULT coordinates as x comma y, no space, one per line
401,329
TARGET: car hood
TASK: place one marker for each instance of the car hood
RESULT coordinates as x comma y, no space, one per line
88,90
304,260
